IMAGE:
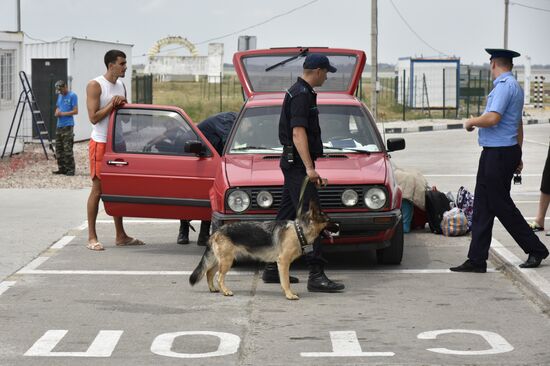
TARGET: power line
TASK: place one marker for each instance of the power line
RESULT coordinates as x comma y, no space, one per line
414,32
249,27
530,7
261,23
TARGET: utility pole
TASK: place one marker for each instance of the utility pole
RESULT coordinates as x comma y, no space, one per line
506,4
374,58
19,15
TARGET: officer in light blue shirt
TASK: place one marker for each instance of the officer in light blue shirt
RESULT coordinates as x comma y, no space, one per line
501,136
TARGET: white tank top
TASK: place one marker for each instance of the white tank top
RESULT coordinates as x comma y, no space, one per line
108,91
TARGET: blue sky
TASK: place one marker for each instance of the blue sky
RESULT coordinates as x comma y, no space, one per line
457,28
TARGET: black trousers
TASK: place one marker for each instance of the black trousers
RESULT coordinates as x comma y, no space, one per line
294,176
492,199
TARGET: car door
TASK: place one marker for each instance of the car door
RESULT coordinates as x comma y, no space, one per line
145,170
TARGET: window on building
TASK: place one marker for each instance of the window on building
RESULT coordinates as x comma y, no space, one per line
7,76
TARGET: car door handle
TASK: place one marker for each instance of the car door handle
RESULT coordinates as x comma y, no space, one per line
117,162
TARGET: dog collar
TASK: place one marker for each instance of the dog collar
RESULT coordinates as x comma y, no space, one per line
301,236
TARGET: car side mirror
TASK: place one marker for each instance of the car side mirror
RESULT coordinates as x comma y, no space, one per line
193,147
396,144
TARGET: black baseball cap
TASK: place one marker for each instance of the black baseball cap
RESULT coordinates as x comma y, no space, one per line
502,53
318,61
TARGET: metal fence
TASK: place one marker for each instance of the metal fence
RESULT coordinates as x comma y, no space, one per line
474,84
142,89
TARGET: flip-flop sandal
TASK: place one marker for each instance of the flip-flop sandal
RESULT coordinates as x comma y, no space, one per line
131,242
535,227
95,246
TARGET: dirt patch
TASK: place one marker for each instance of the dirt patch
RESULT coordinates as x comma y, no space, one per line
30,169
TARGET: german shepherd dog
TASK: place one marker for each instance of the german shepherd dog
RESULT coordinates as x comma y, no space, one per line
269,241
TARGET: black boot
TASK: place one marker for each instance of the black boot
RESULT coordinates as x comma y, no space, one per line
204,233
183,236
319,282
271,274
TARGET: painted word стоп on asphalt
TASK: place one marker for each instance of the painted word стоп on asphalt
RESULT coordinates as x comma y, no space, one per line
344,344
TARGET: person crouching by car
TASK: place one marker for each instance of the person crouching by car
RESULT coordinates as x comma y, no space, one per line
216,129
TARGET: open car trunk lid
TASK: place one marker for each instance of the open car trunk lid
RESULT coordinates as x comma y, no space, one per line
276,69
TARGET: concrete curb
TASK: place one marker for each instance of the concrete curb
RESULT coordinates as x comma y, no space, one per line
455,125
536,285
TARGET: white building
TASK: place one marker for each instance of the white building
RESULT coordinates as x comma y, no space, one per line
77,61
421,81
188,67
11,48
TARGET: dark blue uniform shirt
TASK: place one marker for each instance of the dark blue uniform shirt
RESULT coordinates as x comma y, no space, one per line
300,110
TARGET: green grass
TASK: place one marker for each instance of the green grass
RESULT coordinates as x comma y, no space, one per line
199,99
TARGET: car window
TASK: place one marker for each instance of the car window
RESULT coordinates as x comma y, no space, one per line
347,127
257,131
280,77
151,132
343,128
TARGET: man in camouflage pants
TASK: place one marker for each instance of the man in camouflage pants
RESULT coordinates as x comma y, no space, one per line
66,108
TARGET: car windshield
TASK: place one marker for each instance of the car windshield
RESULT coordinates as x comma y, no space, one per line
343,129
280,77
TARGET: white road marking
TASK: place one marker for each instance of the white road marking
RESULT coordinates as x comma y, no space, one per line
531,275
346,344
33,265
62,242
469,175
5,285
233,273
116,273
146,221
496,341
229,344
102,346
83,226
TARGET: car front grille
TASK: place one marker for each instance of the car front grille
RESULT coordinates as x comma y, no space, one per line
331,197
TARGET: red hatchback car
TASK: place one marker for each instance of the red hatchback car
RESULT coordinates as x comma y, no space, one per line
191,180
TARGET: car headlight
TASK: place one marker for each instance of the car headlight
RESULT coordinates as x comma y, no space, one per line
375,198
238,201
264,199
350,197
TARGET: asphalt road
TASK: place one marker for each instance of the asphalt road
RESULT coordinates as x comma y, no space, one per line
134,306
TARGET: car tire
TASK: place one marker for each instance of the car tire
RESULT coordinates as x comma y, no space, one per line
394,253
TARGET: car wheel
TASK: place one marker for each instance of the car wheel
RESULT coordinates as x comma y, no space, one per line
394,253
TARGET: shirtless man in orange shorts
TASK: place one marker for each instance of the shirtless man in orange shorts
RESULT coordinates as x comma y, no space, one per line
103,94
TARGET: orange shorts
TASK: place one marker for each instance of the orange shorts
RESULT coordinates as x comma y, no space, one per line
96,150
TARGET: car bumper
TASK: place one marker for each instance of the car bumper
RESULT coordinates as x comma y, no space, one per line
352,224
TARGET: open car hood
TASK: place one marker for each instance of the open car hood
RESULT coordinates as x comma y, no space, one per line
253,69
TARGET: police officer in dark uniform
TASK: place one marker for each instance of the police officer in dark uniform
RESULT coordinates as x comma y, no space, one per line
300,135
215,128
501,136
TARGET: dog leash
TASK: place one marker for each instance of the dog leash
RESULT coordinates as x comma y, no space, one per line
301,199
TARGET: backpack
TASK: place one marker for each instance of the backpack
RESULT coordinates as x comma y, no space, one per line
437,204
465,201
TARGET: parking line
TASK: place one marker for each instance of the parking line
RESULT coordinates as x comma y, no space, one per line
5,285
233,273
125,273
469,175
62,242
33,265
